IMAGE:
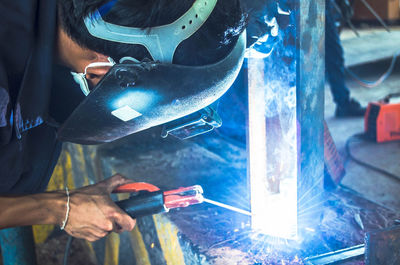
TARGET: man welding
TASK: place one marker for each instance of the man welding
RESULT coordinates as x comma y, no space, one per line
138,64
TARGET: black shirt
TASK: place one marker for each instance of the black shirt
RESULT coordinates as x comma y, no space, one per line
28,145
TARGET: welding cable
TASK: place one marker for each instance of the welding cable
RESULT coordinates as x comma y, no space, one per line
66,252
373,84
362,136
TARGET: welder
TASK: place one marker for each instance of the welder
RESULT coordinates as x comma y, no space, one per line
95,71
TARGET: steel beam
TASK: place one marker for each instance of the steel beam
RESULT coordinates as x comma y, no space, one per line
286,108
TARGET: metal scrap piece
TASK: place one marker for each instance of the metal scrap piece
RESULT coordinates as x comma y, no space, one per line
336,256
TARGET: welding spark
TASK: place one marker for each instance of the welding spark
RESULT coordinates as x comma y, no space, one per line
310,229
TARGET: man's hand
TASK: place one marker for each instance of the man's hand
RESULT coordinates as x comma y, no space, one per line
93,214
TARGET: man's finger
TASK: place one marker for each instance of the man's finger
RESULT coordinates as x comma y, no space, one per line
107,226
116,181
123,222
92,238
89,234
98,233
83,235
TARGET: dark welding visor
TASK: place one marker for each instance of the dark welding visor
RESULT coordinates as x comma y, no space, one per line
133,97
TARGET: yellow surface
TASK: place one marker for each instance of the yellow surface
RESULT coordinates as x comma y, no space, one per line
82,164
68,171
91,249
139,248
111,255
62,171
168,236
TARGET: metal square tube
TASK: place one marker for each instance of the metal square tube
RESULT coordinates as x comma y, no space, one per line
286,106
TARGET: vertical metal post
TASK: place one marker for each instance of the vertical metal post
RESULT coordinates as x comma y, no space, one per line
286,108
310,108
17,246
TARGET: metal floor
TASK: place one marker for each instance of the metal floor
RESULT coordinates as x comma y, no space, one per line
374,44
373,186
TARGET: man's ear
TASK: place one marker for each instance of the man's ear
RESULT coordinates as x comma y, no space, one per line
93,73
97,71
100,57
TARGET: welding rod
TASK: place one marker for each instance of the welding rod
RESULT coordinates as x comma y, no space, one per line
228,207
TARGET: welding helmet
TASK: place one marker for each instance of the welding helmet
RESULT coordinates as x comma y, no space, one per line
134,96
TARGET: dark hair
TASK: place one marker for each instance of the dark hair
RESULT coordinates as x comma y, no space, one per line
209,44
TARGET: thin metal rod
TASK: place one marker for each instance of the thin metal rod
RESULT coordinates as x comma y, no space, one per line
376,15
353,28
228,207
336,256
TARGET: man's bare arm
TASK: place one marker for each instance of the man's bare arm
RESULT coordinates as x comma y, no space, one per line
43,208
92,212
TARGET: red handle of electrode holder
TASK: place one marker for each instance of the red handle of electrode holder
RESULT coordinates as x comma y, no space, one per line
183,197
136,187
180,190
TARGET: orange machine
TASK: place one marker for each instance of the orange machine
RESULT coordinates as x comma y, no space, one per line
382,120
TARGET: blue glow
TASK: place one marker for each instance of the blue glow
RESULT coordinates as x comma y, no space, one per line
273,133
262,48
265,45
274,213
138,100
